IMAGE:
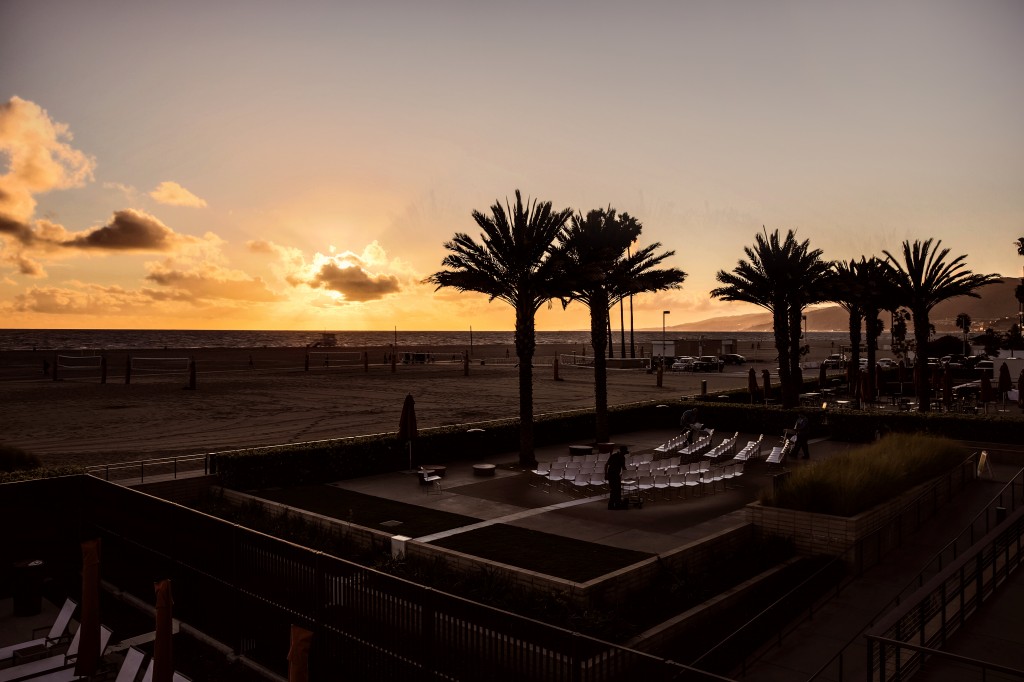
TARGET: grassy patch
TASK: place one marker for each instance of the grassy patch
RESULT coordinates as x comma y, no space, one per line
533,550
849,484
367,510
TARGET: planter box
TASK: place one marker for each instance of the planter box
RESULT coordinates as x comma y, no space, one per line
886,523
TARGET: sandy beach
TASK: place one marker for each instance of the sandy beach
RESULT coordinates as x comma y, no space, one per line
275,400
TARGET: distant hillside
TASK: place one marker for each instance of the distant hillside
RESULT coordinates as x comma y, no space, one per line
996,308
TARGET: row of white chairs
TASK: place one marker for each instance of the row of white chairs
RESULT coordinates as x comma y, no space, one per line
698,445
668,465
780,451
678,483
726,447
752,450
596,457
672,444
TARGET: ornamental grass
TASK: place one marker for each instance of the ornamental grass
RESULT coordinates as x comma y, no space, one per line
848,484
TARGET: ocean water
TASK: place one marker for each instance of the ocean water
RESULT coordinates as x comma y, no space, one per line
20,339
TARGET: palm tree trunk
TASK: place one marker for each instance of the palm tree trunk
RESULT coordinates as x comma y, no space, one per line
871,327
781,326
791,389
921,338
526,345
598,315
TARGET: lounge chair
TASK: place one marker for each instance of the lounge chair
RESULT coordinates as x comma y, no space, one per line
128,671
58,633
33,669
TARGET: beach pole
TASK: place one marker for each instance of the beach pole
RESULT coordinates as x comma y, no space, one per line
465,363
192,374
661,373
394,353
56,364
103,369
555,366
128,370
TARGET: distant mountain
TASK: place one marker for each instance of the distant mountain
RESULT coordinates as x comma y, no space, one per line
996,308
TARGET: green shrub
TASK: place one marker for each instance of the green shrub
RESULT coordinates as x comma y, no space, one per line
16,459
848,484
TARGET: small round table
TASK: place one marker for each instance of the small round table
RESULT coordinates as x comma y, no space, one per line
483,469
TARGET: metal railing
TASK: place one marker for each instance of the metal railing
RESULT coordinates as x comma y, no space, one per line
783,617
1012,493
161,467
904,641
245,589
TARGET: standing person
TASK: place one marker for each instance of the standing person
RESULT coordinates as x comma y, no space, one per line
613,474
800,431
690,424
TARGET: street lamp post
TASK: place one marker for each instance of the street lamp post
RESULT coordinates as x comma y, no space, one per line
664,342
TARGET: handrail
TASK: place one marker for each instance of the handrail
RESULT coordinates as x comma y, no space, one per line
956,658
94,470
840,558
920,576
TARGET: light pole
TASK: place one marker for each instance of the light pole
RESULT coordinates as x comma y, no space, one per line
664,343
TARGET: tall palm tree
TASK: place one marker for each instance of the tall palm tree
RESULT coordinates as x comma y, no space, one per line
963,323
1020,246
600,270
782,276
878,284
843,286
924,278
512,263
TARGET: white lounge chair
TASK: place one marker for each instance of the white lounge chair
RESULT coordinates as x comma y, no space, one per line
129,669
33,669
56,634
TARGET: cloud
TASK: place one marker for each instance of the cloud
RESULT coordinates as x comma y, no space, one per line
172,193
129,230
84,299
353,282
40,157
213,283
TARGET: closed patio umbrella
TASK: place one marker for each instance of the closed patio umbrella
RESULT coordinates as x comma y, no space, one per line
865,386
752,385
986,389
766,379
822,377
878,379
901,372
947,388
1005,382
407,424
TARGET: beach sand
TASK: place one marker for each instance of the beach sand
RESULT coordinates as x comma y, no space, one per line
79,421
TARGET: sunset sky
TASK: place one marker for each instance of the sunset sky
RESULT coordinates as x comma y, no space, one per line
299,165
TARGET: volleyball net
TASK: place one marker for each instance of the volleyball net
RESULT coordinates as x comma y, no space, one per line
71,367
334,358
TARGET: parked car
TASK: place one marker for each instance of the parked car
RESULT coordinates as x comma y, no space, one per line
683,363
707,363
732,359
834,361
886,363
985,365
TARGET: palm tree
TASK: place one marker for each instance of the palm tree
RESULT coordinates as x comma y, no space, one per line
782,276
925,278
1020,246
601,270
963,323
843,287
878,284
512,263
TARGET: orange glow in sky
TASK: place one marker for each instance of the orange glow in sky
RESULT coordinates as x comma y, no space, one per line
300,165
